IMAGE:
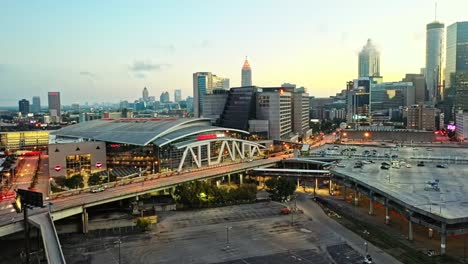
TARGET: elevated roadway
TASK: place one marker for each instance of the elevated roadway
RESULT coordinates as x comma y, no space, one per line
63,207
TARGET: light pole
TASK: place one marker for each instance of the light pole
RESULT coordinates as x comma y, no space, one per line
50,186
227,235
366,246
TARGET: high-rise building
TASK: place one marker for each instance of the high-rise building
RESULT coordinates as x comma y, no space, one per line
204,83
369,60
36,104
434,60
246,74
145,94
419,83
54,106
23,106
177,95
213,104
457,50
75,107
387,96
421,117
164,98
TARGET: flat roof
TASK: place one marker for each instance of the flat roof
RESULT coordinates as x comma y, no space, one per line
408,184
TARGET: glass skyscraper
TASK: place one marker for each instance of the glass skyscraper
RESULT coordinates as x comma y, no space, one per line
369,60
434,60
456,69
457,50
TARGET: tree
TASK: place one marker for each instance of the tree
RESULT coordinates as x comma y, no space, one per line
280,188
74,182
94,179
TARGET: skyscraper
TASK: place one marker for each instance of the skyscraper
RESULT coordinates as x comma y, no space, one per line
457,50
369,60
204,83
36,104
54,106
434,60
23,107
145,95
456,69
177,95
246,74
164,98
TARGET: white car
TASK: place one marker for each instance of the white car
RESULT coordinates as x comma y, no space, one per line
408,165
340,165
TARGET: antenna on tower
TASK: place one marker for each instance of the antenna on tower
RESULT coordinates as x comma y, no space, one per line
435,11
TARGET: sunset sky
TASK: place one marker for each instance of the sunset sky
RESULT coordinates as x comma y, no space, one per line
96,51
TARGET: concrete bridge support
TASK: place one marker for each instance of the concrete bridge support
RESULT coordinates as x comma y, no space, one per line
229,179
410,229
387,216
371,203
443,239
84,221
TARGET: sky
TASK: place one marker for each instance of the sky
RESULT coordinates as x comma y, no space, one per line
107,51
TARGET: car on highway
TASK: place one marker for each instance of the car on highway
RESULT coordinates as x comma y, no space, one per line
339,165
98,189
429,149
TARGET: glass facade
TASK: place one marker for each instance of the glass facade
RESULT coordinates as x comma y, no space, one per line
240,107
78,164
457,50
385,96
434,60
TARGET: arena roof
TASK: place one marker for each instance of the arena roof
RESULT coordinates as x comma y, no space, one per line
139,131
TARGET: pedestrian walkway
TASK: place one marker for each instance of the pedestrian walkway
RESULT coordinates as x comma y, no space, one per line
52,247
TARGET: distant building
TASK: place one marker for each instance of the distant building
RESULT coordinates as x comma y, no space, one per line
461,121
214,104
75,107
36,104
419,83
246,74
164,98
457,50
369,60
54,106
204,83
359,99
391,95
23,106
434,60
318,106
421,117
177,95
189,104
145,94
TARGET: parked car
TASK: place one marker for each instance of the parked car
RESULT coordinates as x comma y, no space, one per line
442,166
421,164
367,259
98,189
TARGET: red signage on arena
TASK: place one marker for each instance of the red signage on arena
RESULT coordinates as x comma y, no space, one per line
209,136
98,165
58,168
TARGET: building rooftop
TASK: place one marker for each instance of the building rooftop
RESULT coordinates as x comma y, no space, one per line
139,131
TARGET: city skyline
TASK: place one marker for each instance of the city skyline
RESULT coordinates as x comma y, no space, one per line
79,49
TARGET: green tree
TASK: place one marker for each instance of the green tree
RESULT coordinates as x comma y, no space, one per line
94,179
74,182
280,188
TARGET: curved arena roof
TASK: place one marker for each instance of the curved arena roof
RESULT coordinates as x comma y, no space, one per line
140,131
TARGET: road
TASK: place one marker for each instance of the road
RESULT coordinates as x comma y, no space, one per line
314,211
61,203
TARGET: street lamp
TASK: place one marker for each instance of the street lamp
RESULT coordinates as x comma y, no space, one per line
227,235
50,185
155,163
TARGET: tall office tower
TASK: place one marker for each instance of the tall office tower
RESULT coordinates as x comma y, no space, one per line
36,104
177,95
23,107
456,69
419,84
369,60
202,85
54,106
434,61
145,94
246,74
164,98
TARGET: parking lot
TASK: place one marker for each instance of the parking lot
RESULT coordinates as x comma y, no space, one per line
253,233
407,181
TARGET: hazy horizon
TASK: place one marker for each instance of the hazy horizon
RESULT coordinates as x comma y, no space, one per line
95,51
